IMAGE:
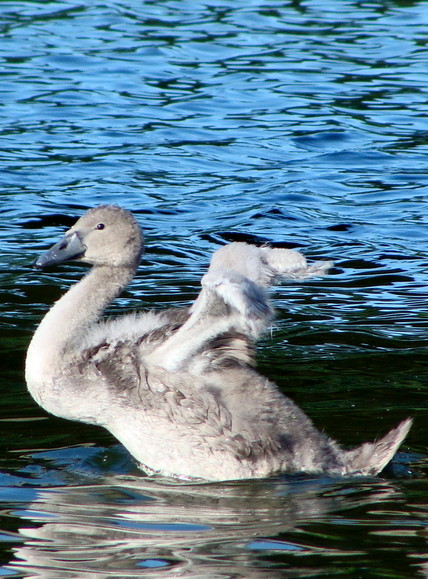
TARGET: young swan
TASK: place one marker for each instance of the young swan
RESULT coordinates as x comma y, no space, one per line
177,388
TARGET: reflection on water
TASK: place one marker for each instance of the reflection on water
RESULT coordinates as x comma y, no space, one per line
205,530
303,124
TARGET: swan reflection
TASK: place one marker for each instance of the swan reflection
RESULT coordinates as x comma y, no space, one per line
126,526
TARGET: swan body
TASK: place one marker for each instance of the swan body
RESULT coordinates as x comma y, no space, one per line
178,388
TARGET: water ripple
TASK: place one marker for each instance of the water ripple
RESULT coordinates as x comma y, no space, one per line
296,124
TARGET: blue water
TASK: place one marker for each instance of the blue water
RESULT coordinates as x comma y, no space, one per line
303,124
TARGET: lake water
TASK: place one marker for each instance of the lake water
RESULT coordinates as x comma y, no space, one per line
303,124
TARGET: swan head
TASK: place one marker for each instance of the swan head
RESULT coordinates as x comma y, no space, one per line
104,235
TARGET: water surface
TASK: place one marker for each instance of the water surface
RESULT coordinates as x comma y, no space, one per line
302,124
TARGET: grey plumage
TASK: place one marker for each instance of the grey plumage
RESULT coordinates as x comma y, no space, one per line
178,388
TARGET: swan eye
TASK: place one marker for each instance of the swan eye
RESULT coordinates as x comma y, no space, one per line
100,226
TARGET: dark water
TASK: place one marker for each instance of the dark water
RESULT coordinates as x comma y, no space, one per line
297,123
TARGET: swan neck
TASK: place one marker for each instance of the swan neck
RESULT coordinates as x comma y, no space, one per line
80,307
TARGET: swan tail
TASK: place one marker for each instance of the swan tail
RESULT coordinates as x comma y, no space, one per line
372,457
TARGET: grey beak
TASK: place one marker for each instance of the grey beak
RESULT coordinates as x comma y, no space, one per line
68,248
